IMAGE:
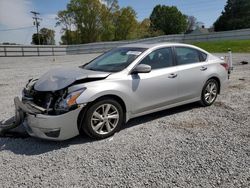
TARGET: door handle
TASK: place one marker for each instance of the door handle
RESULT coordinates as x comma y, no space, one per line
203,68
173,75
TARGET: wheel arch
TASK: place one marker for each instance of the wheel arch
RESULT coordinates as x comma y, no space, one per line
107,96
115,97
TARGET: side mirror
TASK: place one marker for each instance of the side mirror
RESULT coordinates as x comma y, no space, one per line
141,68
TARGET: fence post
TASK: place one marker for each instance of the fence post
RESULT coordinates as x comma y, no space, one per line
53,52
5,52
38,53
22,51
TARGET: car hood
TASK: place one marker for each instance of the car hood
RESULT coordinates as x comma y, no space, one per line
57,79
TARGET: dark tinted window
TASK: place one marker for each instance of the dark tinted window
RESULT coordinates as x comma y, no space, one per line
187,55
203,56
160,58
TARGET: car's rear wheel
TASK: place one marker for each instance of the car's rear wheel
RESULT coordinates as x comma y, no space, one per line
103,119
210,92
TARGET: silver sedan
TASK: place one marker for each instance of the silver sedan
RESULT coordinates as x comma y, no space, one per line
124,83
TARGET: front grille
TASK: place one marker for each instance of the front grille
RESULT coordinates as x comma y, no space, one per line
42,98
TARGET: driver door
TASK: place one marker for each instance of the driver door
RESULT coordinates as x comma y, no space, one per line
158,88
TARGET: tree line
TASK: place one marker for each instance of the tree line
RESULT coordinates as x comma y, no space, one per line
85,21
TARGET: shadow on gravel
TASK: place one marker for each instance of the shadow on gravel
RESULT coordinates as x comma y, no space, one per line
34,146
164,113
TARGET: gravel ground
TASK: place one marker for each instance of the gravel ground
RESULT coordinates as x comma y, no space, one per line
188,146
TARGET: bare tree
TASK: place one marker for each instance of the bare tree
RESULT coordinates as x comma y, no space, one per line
192,23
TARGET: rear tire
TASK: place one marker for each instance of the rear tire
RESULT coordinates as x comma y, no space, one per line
102,119
209,92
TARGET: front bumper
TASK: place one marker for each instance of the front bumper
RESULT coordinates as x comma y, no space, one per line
49,127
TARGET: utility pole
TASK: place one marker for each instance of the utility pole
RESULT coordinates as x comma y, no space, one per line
36,23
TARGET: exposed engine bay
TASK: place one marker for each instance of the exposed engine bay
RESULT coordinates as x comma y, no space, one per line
48,100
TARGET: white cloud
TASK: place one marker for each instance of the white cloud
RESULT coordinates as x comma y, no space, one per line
15,13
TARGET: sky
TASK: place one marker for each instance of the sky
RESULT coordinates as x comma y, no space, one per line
16,14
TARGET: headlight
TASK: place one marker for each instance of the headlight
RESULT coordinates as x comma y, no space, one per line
30,83
70,100
27,92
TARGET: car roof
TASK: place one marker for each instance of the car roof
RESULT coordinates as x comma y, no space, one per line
160,44
150,45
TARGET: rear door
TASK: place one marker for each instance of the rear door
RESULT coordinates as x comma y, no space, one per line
192,72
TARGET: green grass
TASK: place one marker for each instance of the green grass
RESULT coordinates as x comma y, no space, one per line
237,46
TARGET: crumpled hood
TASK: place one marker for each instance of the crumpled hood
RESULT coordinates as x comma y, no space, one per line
57,79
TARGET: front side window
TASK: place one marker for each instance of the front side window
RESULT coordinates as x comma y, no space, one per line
115,60
187,55
160,58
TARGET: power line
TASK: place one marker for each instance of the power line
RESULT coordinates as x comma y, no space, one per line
19,28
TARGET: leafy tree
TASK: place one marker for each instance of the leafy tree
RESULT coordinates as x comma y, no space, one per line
47,37
109,9
35,39
236,15
168,19
144,30
88,21
126,23
70,37
86,15
65,20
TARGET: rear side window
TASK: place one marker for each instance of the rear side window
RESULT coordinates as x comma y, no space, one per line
203,56
187,55
160,58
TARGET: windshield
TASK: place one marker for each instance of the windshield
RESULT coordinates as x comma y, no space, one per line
115,60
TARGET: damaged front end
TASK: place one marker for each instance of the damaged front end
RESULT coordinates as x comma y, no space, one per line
48,108
51,102
49,115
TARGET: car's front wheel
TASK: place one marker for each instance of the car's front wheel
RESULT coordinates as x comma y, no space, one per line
210,92
103,119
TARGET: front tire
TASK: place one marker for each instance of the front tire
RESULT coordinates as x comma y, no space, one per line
209,92
103,118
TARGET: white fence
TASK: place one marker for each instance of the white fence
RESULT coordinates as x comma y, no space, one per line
225,35
39,50
19,50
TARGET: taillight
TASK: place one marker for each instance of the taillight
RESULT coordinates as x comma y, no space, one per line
225,65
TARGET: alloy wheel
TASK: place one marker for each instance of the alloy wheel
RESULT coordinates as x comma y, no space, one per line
105,119
211,92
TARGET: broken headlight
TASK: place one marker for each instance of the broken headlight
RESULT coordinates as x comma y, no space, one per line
28,90
70,99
